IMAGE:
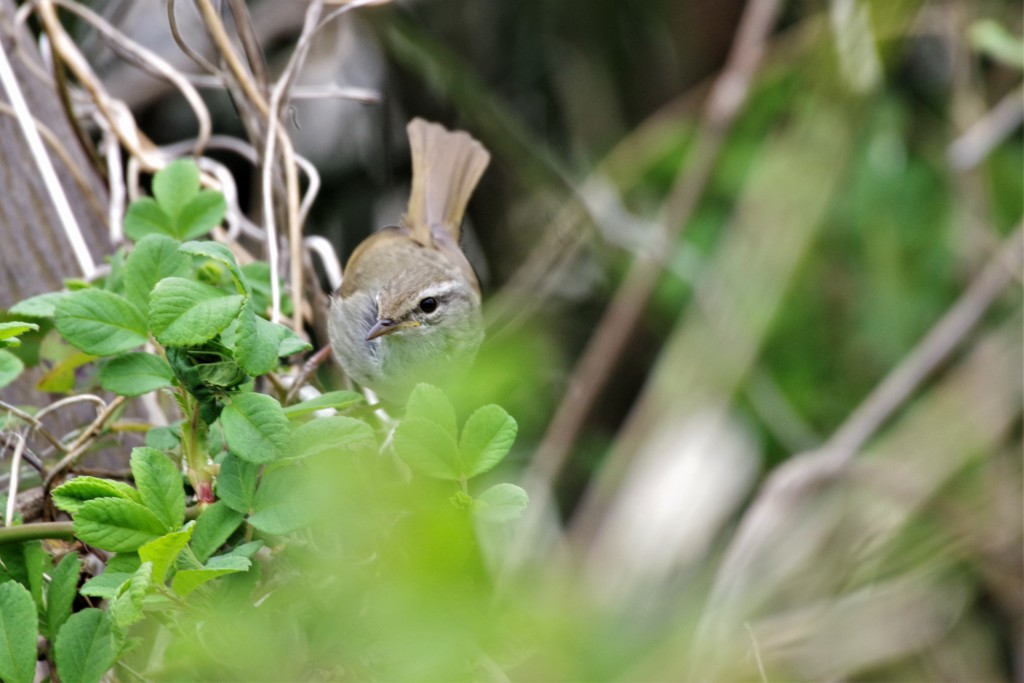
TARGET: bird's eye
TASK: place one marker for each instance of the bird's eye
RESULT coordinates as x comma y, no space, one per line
428,305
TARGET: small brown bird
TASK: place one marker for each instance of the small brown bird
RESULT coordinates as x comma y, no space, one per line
408,309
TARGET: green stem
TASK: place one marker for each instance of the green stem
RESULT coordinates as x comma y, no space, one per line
193,444
35,532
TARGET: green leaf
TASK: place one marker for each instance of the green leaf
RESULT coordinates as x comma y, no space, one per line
99,322
501,503
187,313
339,400
486,439
213,528
116,524
37,561
135,373
291,343
61,377
201,214
126,607
84,648
61,593
428,449
160,485
187,580
38,306
10,331
153,258
19,629
255,428
257,342
282,502
175,185
145,217
221,254
71,496
164,438
236,483
162,552
334,435
430,403
10,367
106,584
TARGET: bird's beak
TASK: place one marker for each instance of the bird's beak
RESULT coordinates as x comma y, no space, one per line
387,326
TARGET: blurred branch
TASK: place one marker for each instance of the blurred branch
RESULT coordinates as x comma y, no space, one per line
935,348
985,134
623,313
812,528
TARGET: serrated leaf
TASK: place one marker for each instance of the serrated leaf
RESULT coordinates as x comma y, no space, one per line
501,503
70,496
162,552
187,580
61,593
15,328
116,524
164,438
201,214
84,647
126,607
187,313
153,258
236,483
37,561
38,306
486,439
99,322
175,185
105,585
19,629
282,502
334,435
213,528
221,254
290,342
257,342
160,484
428,449
145,217
431,404
339,400
255,428
60,379
136,373
10,367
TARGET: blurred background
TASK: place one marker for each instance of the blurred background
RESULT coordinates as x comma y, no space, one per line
752,274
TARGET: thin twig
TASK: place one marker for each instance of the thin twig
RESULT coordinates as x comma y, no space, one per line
9,82
757,652
935,348
150,62
223,42
12,489
83,441
70,400
971,148
201,61
308,368
250,44
623,313
36,425
116,113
